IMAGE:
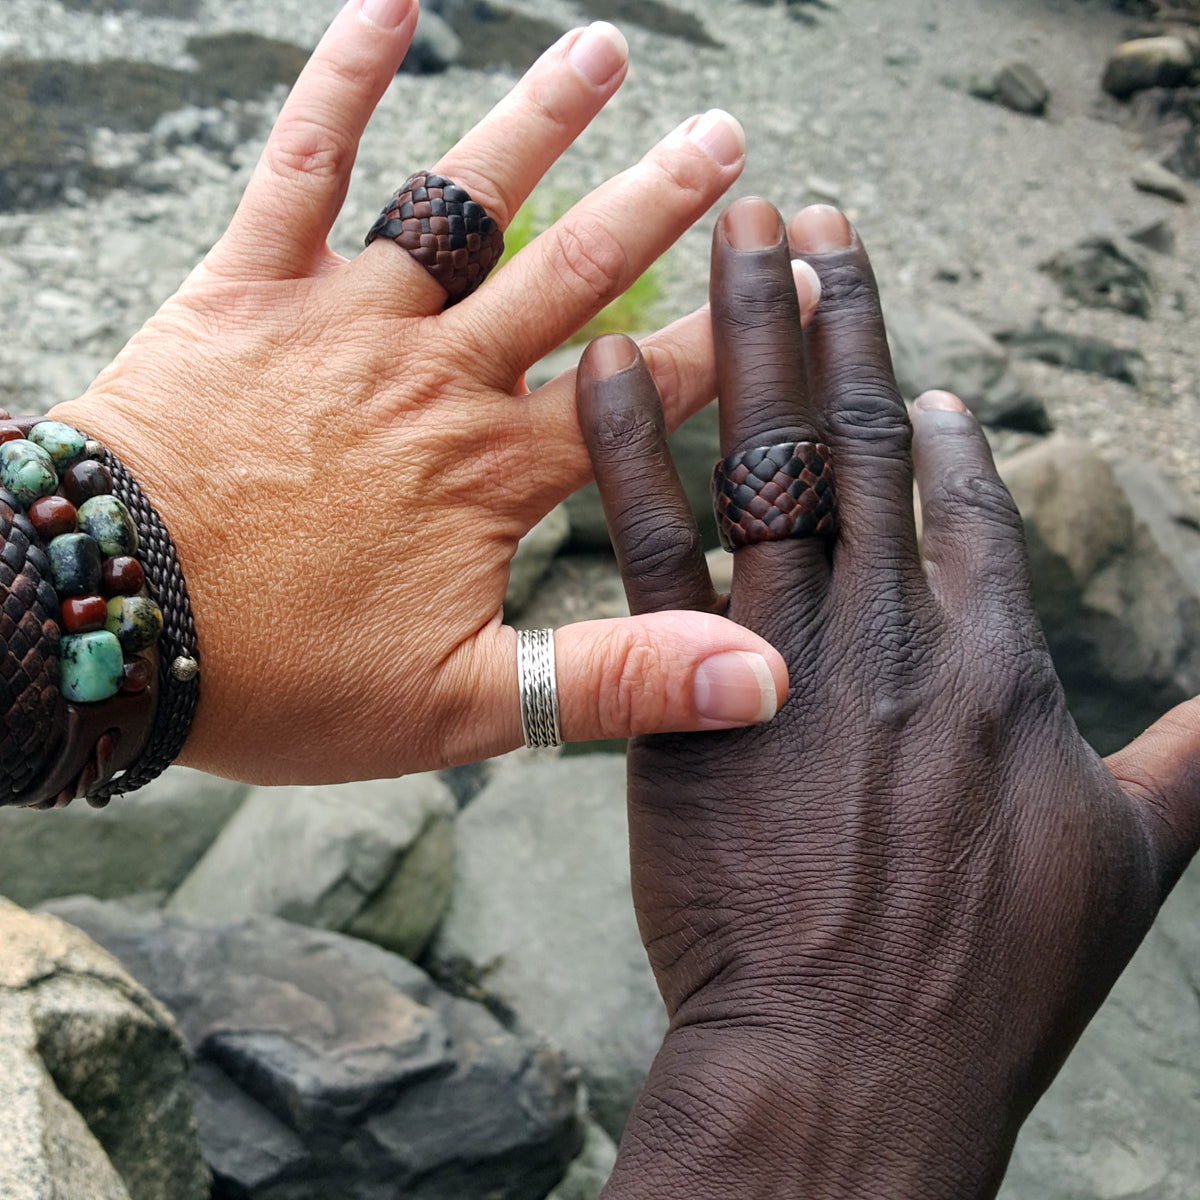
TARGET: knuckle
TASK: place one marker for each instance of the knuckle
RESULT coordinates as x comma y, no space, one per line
665,369
654,549
623,435
870,414
688,173
967,493
591,263
303,149
627,705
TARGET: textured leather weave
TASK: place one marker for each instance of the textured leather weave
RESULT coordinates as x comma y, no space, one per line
450,235
768,493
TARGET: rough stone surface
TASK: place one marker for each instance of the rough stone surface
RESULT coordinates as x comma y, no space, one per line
1116,583
329,1067
93,1081
1104,272
541,907
1075,352
1121,1119
374,859
145,842
939,348
587,1175
1154,178
1017,86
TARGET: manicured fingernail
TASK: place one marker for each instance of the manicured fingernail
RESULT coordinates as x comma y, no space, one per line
939,401
720,136
610,355
808,288
599,53
387,14
752,224
820,229
736,687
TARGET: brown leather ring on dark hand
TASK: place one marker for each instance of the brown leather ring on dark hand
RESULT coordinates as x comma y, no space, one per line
768,493
450,235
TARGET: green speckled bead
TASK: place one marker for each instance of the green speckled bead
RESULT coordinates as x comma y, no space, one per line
136,620
64,444
90,666
108,520
74,564
26,470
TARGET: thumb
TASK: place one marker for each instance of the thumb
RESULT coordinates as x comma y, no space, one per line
655,673
1161,768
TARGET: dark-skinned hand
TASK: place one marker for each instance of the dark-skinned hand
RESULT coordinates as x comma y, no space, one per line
881,920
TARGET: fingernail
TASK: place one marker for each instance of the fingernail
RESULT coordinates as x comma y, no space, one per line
808,288
610,355
752,224
939,401
820,229
599,53
735,688
720,136
386,14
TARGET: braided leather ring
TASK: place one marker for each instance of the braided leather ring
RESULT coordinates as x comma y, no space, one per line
450,235
768,493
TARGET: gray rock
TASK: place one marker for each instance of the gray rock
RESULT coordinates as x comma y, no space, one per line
1154,178
1104,272
937,347
93,1075
1155,235
1147,63
329,1067
535,552
435,46
374,859
587,1175
541,906
145,842
1121,1119
1075,352
1017,86
1116,579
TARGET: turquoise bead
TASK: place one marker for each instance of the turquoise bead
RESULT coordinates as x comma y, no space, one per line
74,564
89,666
64,444
26,470
136,621
108,520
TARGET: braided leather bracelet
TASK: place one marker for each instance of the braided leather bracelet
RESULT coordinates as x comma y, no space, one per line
99,693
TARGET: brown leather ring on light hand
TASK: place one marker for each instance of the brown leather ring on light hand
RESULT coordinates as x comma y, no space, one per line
450,235
768,493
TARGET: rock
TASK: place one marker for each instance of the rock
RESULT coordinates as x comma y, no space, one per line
435,46
1121,1119
1158,181
535,552
587,1175
938,347
1116,580
541,907
1156,235
1104,272
1146,63
329,1067
1185,160
145,842
1017,86
374,859
1075,352
214,129
93,1075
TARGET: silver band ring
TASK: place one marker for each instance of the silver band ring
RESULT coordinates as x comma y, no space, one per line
538,688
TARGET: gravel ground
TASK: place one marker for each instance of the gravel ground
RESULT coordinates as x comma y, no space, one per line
868,105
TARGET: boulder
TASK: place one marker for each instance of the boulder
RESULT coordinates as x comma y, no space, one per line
93,1075
542,911
143,843
1121,1118
1146,63
937,347
1154,178
435,46
374,859
1104,272
329,1067
1075,352
1115,561
587,1175
1017,86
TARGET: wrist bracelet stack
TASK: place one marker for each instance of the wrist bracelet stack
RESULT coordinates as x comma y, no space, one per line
98,674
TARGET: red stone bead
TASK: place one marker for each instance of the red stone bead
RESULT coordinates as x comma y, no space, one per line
9,432
52,515
81,614
85,480
136,675
122,576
